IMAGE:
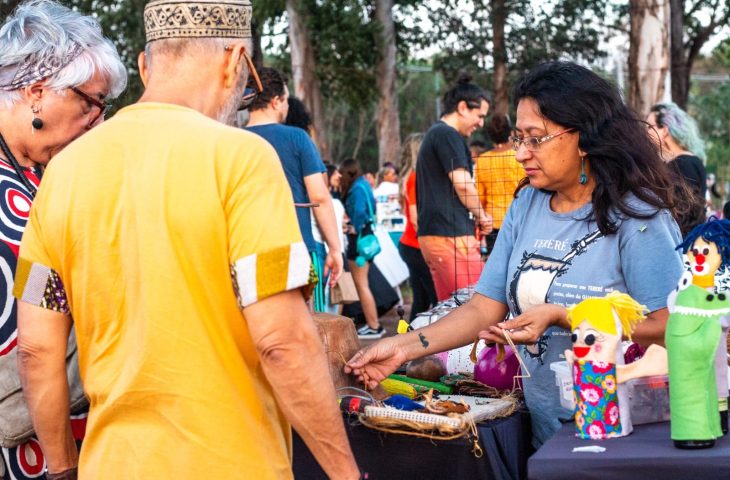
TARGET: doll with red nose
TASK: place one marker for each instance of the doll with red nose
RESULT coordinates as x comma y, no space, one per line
707,248
597,362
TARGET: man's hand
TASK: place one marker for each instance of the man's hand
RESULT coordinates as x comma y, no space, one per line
485,224
333,265
373,364
528,327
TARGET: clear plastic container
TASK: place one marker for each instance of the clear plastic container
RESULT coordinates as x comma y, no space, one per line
564,381
649,397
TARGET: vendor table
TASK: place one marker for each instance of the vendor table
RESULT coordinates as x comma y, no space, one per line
647,453
505,441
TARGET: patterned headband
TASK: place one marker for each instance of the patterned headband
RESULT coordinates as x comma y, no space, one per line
197,19
34,69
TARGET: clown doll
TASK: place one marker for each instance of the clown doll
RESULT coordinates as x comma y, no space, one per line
599,376
707,248
692,338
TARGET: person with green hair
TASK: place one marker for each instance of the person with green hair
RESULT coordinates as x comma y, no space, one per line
678,138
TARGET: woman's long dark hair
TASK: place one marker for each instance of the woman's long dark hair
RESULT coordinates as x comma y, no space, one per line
622,156
351,171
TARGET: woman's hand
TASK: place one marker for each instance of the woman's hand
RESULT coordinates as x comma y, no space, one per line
528,327
373,364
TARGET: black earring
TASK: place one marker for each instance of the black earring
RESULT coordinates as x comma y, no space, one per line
37,123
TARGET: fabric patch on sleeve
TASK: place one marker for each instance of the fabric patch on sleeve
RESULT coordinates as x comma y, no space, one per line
41,286
261,275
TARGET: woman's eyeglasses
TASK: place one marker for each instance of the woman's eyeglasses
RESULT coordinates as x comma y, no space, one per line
103,106
533,143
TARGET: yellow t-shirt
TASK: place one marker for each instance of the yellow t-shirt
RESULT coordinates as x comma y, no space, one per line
497,175
152,230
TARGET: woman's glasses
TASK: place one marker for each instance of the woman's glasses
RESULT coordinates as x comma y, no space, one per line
103,106
533,143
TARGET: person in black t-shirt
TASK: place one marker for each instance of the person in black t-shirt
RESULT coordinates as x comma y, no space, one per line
680,145
447,200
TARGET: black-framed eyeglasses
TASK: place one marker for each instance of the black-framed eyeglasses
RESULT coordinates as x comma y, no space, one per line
103,106
249,93
533,143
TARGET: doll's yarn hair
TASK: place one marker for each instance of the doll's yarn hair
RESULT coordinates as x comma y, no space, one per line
715,231
599,312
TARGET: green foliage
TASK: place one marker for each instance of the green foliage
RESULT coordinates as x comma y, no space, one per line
122,22
344,41
712,111
533,33
711,108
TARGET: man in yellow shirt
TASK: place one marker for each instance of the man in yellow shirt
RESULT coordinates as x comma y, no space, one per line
497,174
172,240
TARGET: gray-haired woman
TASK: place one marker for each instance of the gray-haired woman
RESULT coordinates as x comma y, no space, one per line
57,74
680,145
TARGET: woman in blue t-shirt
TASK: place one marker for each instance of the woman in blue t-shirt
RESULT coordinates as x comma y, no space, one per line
594,213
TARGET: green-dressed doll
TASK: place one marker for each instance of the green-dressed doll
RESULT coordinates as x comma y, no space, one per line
693,334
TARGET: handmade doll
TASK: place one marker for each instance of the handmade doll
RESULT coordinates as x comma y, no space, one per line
599,376
692,338
707,248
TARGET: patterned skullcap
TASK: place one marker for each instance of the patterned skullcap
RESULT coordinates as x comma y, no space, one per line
197,19
35,68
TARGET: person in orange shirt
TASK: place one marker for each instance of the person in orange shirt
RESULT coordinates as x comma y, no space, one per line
424,292
497,174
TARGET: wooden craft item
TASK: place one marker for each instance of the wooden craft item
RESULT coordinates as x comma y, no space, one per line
340,341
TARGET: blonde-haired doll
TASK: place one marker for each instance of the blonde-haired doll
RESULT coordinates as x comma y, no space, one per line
601,399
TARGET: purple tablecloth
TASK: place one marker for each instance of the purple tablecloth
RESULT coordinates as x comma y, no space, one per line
647,454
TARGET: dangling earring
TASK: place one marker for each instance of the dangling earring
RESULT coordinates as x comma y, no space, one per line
37,123
583,178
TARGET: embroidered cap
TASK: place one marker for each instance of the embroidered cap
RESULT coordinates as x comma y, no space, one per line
197,19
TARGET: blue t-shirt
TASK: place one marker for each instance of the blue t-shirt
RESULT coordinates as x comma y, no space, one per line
300,158
545,257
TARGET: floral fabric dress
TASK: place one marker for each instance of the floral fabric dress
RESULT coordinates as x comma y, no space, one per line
596,399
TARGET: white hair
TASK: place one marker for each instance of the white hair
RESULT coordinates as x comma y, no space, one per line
46,29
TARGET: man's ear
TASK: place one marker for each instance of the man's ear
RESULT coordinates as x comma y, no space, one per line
462,107
233,65
144,74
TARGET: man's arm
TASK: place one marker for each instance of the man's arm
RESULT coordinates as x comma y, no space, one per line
468,196
325,216
42,342
294,362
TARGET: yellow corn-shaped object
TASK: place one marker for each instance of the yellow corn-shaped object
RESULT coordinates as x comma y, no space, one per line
395,387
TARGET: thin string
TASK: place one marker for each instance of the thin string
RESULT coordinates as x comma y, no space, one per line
18,169
523,367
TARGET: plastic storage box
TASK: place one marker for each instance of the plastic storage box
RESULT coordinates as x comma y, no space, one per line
649,396
564,381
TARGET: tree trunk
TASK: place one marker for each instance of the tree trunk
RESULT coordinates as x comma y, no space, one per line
680,72
648,54
306,84
499,18
257,56
388,129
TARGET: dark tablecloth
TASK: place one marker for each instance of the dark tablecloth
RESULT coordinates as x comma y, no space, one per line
646,454
506,445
